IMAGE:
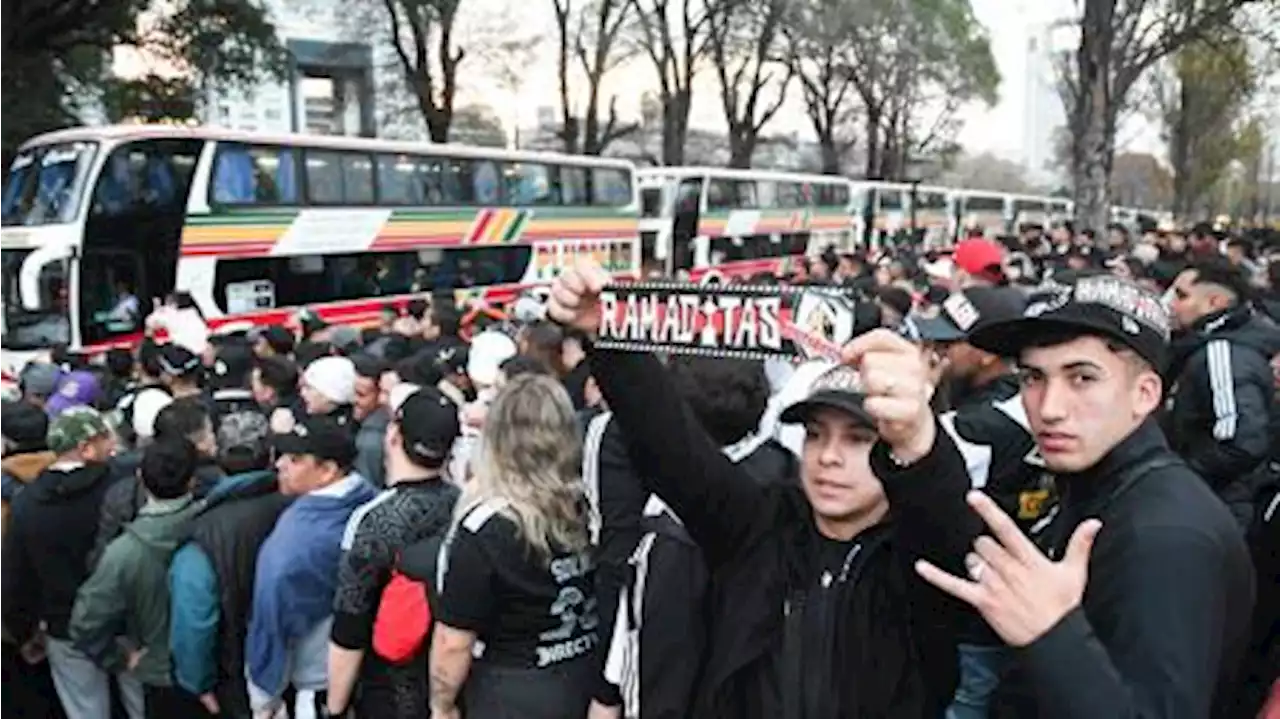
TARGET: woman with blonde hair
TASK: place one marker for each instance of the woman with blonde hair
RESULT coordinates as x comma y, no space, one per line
515,579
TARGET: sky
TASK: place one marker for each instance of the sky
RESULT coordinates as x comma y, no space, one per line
1005,129
1027,111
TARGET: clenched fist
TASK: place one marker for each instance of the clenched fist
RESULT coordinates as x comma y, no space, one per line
898,384
575,297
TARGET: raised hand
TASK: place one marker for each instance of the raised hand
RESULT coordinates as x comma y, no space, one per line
575,297
896,379
1019,591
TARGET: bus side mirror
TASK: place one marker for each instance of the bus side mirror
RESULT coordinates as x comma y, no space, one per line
32,267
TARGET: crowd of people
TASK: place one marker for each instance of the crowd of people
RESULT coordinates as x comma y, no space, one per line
1042,483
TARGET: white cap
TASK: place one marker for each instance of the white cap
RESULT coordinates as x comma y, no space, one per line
332,377
146,407
488,350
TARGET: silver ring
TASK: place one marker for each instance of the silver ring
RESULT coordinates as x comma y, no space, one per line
976,568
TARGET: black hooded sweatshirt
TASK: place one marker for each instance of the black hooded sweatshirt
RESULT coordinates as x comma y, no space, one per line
800,626
51,533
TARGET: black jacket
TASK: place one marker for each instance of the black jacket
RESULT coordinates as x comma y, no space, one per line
229,530
1222,415
50,534
126,496
674,630
1165,617
892,650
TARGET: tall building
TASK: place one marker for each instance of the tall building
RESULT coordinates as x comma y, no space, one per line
1048,46
332,83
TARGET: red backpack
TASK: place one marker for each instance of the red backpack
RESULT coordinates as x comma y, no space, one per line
404,619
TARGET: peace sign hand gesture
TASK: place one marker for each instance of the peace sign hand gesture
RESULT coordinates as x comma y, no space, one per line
1019,591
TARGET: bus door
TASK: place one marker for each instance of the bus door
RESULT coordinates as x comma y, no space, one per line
688,209
114,294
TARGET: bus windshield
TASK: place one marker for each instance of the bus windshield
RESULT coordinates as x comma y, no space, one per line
39,329
45,184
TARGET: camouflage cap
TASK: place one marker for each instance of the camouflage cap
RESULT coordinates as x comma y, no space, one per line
74,427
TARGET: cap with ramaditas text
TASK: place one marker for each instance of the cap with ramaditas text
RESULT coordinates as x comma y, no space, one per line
839,388
1103,305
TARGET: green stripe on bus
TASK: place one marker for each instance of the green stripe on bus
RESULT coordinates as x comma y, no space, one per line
516,227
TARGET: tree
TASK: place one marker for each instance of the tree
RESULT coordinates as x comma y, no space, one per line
914,65
508,48
1119,43
986,172
151,99
744,39
422,36
55,54
1206,93
1138,179
478,125
589,37
672,34
817,46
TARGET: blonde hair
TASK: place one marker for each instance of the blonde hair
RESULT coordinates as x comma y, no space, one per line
530,457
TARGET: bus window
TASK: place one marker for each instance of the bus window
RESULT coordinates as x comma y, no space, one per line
789,194
44,183
720,195
984,203
399,181
840,196
573,186
324,178
727,249
744,195
149,175
796,243
109,301
357,179
339,178
335,278
484,181
610,187
245,175
890,199
651,202
767,194
530,183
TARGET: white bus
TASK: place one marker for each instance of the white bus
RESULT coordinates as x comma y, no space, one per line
97,222
739,222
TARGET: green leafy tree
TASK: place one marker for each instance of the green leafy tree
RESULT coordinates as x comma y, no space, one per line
56,56
1120,42
1207,93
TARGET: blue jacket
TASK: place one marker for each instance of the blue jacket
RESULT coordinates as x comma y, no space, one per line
194,598
296,578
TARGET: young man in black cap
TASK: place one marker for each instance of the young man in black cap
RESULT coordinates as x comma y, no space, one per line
273,341
297,572
1152,617
813,609
416,506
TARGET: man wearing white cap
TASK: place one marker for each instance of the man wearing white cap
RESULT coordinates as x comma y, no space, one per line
329,387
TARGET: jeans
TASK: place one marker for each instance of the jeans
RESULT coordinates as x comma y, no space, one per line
980,670
85,689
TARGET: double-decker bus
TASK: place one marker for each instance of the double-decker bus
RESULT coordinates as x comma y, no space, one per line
736,223
98,222
884,209
988,213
